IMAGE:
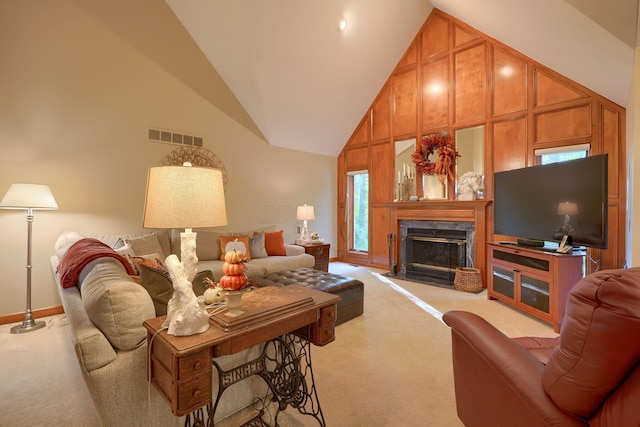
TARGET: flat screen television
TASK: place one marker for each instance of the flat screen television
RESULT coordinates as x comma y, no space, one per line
544,203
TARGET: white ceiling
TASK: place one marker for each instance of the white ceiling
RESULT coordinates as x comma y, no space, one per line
306,85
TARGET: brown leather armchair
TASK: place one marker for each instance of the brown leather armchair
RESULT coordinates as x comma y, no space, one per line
589,375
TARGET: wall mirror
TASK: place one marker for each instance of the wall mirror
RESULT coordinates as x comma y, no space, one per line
470,145
404,149
431,187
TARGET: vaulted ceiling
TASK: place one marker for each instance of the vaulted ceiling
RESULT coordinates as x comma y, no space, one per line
305,85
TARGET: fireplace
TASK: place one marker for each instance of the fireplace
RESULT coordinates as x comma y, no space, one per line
430,251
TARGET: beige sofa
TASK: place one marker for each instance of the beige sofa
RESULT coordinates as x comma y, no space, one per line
105,311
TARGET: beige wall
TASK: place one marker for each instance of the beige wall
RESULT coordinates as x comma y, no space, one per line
76,99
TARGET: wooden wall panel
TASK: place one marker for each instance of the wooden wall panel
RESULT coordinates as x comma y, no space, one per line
361,134
341,245
470,84
522,104
378,231
462,35
435,94
357,159
410,57
509,145
562,124
509,83
381,115
435,37
549,90
611,146
381,183
405,102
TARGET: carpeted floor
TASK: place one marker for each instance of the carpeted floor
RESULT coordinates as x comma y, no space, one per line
389,367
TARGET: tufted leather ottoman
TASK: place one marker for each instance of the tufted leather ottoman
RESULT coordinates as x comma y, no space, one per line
349,289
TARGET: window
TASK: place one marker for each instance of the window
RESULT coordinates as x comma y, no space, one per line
358,208
562,154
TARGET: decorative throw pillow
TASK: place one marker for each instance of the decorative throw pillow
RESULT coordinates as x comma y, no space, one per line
151,260
257,248
239,243
145,244
207,244
65,241
159,285
127,252
274,243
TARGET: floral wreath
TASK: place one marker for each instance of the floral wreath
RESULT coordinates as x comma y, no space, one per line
446,153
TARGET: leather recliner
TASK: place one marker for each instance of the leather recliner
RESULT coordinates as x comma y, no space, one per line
589,375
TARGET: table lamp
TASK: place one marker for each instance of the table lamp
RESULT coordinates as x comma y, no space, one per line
184,197
304,214
30,197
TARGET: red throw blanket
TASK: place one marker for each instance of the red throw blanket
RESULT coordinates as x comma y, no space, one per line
82,253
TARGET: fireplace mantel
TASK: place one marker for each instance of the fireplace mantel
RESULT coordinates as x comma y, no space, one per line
446,210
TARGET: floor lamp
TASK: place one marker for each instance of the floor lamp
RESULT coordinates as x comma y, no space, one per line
30,197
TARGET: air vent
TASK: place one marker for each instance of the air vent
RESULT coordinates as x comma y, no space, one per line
167,136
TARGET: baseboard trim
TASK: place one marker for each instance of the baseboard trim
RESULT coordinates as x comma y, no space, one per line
43,312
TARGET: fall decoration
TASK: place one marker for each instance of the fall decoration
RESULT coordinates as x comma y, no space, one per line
233,257
442,144
233,283
233,268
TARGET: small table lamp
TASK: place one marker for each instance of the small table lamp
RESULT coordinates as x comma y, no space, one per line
304,214
30,197
184,197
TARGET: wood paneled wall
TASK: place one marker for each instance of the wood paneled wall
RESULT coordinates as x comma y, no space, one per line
453,76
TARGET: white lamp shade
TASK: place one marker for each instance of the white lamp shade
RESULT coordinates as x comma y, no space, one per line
305,213
184,197
28,196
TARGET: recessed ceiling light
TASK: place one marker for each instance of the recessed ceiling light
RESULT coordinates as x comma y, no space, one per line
342,24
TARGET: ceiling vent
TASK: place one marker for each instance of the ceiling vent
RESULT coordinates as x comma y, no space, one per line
170,137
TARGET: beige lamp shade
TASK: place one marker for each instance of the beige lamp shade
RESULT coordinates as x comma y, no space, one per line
184,197
568,208
28,196
305,213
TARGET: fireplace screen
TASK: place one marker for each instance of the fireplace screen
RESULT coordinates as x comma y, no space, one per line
432,255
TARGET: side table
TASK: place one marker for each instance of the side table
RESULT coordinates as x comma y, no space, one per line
320,253
181,367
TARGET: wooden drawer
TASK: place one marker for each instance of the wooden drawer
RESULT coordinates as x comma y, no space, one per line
323,332
193,395
194,366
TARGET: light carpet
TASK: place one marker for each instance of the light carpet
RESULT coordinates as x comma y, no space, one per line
388,367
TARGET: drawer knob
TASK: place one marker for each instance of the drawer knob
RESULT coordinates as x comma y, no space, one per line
197,365
196,393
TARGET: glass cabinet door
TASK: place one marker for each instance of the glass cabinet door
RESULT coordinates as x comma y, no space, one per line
534,293
504,281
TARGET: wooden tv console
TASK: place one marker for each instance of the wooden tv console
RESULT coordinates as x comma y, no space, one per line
533,280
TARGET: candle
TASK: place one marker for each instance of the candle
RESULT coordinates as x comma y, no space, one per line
399,178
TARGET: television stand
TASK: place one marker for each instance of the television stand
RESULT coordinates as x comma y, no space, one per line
532,280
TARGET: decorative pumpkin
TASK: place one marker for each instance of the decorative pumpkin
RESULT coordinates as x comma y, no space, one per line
234,283
213,295
233,269
233,256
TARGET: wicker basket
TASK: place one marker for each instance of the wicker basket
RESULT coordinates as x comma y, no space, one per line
468,280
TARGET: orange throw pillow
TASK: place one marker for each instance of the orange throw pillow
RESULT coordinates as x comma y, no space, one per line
274,243
224,240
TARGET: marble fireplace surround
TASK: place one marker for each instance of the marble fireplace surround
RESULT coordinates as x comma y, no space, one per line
449,211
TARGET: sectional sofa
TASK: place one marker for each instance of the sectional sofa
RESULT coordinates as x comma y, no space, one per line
106,306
